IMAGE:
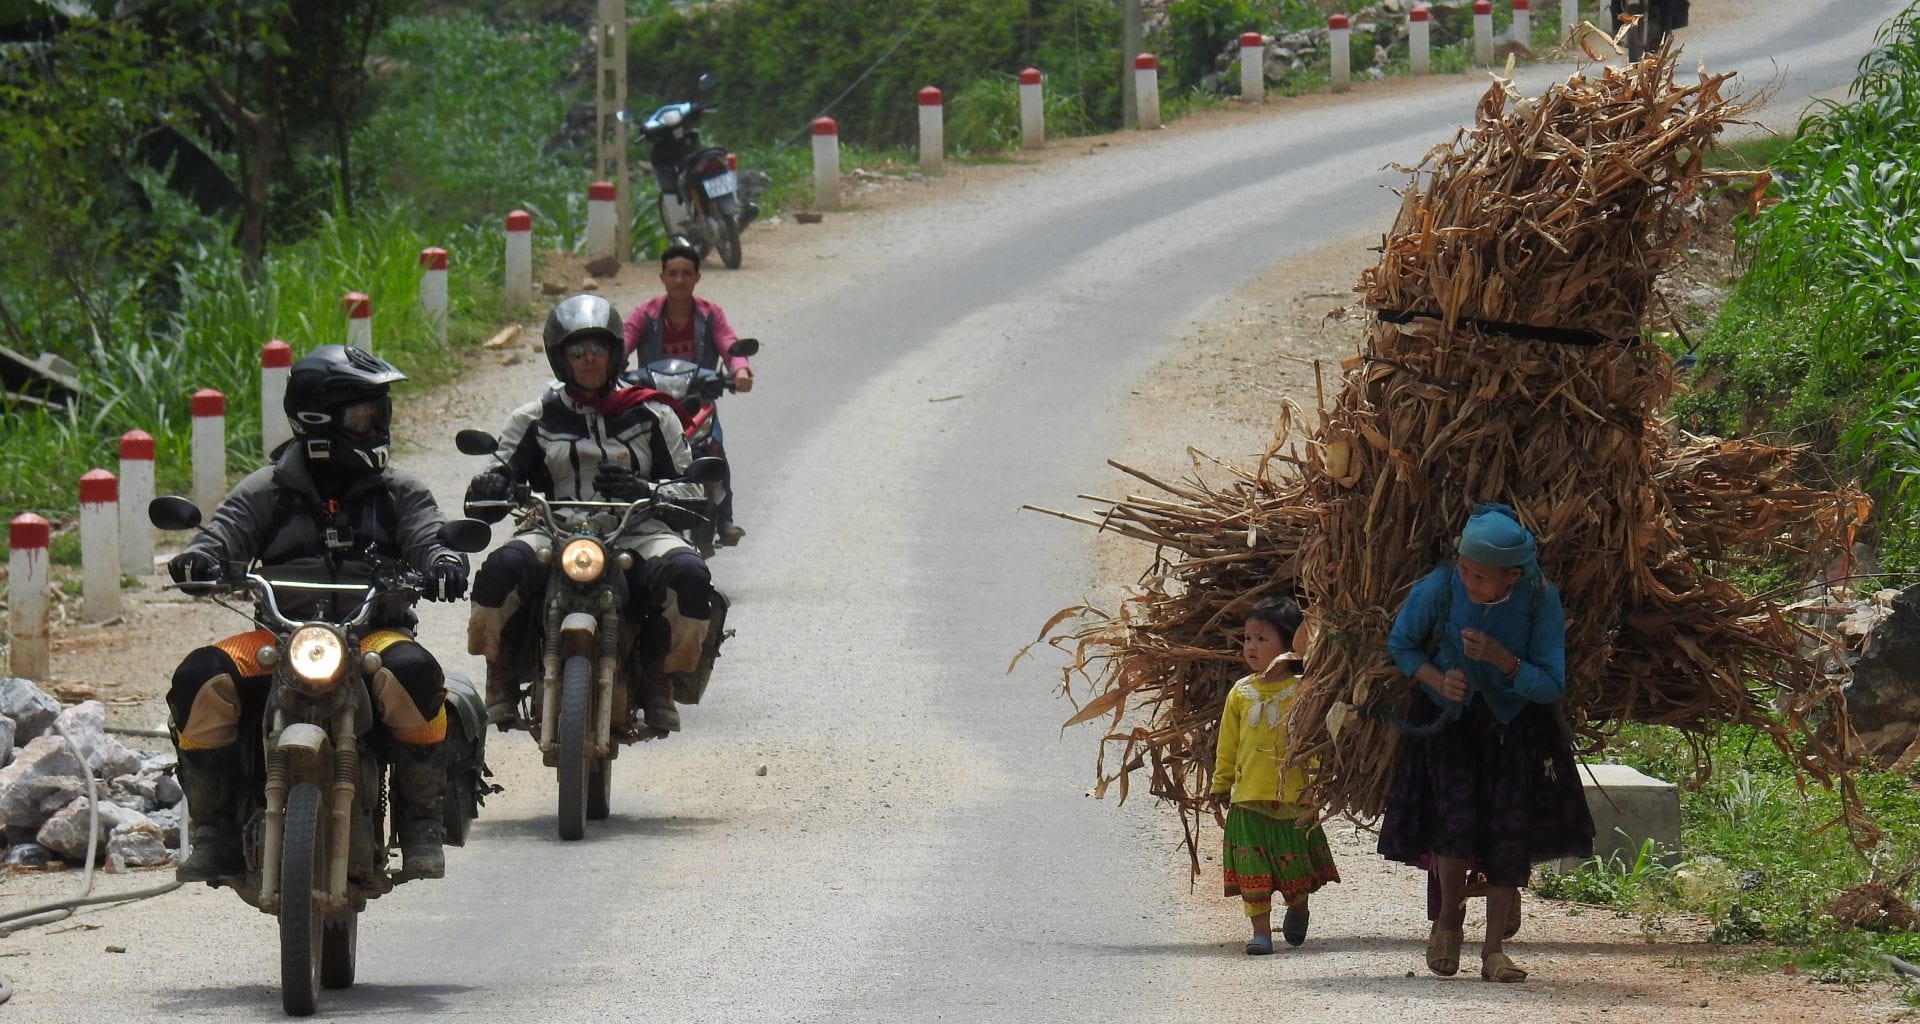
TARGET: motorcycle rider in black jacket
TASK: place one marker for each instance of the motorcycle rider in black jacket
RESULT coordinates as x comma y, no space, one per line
327,500
591,439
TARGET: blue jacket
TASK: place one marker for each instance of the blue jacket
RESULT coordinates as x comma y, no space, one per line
1530,623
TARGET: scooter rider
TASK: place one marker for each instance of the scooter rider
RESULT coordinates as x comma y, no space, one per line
327,499
678,325
591,439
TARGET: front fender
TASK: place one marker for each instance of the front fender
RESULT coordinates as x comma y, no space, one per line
579,635
307,748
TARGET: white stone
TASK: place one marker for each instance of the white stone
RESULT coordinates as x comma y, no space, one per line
86,723
137,844
43,777
66,832
31,710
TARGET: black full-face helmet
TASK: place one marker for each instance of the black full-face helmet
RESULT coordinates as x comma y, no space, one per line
583,318
338,407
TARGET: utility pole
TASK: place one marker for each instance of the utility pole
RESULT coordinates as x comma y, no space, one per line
1129,48
610,97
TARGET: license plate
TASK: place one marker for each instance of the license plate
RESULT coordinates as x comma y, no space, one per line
721,185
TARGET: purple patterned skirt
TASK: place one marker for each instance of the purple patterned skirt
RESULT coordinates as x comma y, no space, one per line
1504,796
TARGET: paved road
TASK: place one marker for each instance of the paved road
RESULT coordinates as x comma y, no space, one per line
919,848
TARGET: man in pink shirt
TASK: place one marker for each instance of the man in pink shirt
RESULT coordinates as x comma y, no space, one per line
678,325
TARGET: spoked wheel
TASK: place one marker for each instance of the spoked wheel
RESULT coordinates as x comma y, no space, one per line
726,239
576,692
599,788
300,918
339,942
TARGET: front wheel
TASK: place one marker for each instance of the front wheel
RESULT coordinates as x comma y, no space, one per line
300,918
339,949
600,789
726,239
576,696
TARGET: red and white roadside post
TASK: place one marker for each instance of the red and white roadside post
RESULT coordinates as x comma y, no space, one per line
1340,49
276,365
1146,89
359,311
136,493
826,162
1253,67
209,450
516,288
1483,32
933,135
1522,22
99,546
1569,19
29,569
1420,40
1033,110
433,288
600,220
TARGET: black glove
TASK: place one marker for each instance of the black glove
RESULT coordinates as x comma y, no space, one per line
619,483
449,575
488,486
193,567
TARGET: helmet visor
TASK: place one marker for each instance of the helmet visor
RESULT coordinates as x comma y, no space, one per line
581,348
365,420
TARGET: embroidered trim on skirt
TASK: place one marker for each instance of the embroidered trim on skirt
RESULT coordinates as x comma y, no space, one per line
1505,796
1263,854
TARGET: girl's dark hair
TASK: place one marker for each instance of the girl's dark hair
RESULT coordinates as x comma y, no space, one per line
1279,612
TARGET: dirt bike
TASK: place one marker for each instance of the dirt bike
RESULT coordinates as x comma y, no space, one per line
583,676
1657,19
313,811
696,389
700,202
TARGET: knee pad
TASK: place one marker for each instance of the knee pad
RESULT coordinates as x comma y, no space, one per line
511,568
418,674
196,670
685,573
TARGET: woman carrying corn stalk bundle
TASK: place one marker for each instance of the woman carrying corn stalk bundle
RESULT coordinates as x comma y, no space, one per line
1486,778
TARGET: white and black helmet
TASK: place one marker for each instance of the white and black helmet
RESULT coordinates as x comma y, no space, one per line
338,407
580,317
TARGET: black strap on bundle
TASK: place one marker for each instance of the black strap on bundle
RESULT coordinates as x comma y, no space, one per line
1529,332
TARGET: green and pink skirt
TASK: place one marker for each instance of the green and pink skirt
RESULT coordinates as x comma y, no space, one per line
1262,854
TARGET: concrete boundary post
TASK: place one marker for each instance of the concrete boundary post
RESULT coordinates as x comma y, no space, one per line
29,568
433,290
276,364
359,311
933,136
1420,40
209,450
826,162
136,492
1483,32
600,220
516,288
1569,18
99,546
1522,22
1340,49
1033,110
1146,89
1253,67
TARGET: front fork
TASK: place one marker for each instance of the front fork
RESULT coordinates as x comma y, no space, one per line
346,771
600,741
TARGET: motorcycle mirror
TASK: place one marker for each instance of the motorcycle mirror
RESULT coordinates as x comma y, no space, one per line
172,512
705,81
475,442
744,347
707,470
465,534
625,117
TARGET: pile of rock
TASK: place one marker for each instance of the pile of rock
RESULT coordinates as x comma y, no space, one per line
1880,662
43,789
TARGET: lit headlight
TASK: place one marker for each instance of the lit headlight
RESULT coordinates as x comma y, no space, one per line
583,559
670,117
315,654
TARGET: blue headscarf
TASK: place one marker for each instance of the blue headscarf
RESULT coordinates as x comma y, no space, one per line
1494,536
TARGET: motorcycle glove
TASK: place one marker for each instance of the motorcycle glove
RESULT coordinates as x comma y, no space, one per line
449,575
193,567
488,486
619,483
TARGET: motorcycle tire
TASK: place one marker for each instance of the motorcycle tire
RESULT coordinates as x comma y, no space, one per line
460,803
300,917
726,239
576,697
600,789
339,949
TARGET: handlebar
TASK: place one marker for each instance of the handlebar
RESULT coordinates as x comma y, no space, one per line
409,585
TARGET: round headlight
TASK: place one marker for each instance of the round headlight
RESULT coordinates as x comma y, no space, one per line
315,654
670,117
583,559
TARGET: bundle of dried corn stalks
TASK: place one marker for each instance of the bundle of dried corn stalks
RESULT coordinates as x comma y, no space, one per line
1503,363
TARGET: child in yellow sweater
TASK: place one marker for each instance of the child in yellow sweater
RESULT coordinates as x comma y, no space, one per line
1266,850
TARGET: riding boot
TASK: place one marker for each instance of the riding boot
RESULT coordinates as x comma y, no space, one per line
419,779
656,701
689,687
209,779
503,694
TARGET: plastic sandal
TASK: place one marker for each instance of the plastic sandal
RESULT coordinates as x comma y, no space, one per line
1443,951
1500,967
1294,925
1260,945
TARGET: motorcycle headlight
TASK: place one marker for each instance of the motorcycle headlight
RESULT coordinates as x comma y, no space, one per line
583,559
670,118
315,654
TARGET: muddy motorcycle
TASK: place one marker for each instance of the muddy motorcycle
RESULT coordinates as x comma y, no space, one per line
696,389
1657,18
700,202
583,675
313,806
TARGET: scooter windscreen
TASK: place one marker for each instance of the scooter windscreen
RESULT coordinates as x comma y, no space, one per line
673,376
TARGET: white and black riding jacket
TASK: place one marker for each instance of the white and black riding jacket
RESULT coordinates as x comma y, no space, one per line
558,446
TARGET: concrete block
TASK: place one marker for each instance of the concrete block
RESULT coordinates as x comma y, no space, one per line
1628,808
